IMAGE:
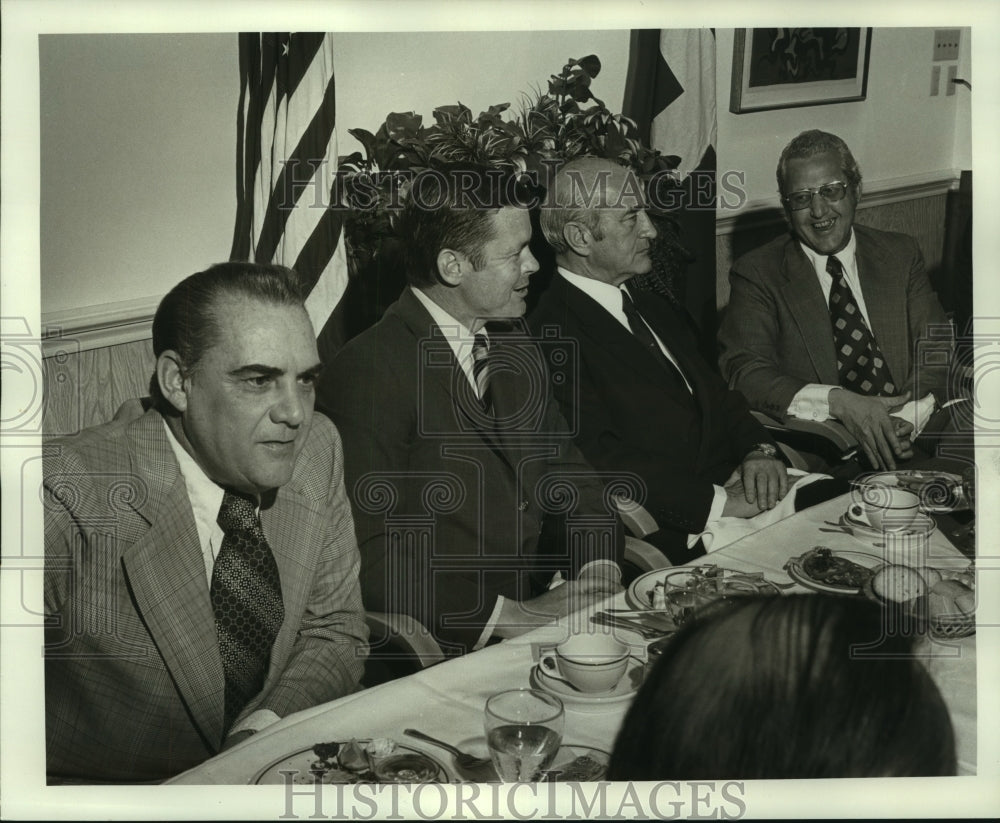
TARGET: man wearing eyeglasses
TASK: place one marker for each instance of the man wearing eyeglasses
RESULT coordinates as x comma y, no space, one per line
825,323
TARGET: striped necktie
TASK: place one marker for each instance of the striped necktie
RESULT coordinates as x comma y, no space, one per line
246,599
480,369
860,364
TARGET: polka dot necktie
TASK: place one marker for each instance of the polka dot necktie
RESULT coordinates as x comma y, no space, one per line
246,598
860,363
480,369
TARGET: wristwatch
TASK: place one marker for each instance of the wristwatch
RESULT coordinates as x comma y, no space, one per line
767,449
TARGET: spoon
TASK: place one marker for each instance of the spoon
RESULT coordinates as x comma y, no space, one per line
479,769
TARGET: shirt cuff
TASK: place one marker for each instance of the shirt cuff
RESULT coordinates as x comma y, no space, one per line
255,722
811,402
491,624
917,412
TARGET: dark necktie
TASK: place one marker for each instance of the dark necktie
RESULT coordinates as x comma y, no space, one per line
860,363
246,598
642,334
480,369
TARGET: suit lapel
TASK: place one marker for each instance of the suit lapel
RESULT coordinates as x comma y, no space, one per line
804,298
605,331
448,381
883,302
166,574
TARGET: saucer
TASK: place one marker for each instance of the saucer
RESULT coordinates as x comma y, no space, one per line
920,523
591,701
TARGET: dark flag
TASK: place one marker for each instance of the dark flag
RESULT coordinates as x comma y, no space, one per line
285,167
670,93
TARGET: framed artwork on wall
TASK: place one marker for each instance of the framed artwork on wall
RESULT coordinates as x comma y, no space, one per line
784,68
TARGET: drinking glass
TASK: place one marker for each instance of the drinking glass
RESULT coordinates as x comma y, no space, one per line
523,731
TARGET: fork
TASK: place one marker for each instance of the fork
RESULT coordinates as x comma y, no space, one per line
615,621
479,769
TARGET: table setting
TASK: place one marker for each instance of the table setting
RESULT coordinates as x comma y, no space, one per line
547,705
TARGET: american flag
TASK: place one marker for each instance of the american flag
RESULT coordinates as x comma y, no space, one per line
285,167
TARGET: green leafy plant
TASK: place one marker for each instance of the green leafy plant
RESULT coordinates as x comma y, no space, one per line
565,122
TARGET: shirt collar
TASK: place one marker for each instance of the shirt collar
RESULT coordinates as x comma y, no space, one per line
845,255
205,495
610,297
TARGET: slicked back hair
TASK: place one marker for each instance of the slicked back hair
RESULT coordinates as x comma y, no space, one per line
579,189
186,321
451,207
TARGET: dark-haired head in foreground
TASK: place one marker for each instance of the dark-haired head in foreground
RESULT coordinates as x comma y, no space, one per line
769,687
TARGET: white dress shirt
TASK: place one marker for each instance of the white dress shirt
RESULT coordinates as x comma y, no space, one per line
458,336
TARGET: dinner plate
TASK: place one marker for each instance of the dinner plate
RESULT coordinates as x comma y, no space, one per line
394,767
591,701
798,574
939,492
639,593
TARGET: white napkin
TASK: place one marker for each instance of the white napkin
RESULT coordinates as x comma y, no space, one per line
726,530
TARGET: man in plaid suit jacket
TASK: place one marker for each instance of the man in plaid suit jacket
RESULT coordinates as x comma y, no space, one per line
135,686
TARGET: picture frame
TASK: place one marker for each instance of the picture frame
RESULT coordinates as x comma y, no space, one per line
785,68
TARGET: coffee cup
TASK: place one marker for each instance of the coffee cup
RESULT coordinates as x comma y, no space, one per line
885,508
591,662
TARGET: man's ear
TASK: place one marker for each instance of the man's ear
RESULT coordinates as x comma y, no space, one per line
451,266
578,237
170,376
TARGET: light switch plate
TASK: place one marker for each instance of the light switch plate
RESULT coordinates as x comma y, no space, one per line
946,44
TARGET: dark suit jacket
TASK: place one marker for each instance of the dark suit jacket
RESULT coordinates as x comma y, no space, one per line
632,418
449,516
133,677
776,335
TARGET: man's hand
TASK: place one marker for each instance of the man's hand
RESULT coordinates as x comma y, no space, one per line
882,437
756,485
516,617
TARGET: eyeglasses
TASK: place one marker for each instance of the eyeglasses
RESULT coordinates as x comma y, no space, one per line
831,192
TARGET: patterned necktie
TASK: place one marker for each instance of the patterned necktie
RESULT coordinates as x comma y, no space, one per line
642,333
860,363
246,598
480,369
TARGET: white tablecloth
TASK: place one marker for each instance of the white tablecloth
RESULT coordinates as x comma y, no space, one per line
447,700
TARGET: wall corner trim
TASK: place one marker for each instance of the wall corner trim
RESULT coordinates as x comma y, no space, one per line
95,327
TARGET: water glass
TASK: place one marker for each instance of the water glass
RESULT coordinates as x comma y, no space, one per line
524,730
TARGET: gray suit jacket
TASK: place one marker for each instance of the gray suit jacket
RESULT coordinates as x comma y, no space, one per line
776,335
133,677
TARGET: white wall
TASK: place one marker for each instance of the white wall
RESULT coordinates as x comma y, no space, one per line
138,136
138,132
900,131
138,169
419,71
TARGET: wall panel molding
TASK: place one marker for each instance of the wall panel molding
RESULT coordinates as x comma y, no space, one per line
881,193
97,327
